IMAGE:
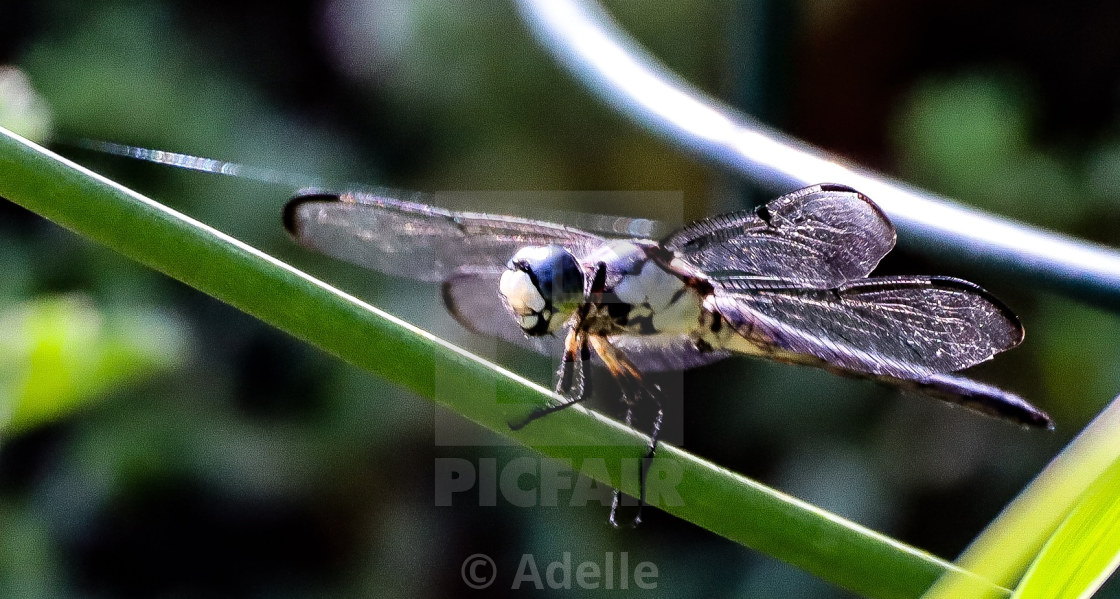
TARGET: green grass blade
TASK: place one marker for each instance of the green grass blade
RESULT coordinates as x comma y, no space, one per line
742,510
1085,549
1013,540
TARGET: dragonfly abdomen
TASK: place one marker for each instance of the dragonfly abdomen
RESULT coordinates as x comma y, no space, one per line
973,395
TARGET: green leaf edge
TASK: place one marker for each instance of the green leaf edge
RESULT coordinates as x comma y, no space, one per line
1085,549
744,511
1011,542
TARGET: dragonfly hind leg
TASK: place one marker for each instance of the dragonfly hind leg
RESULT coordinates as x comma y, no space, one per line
643,472
633,390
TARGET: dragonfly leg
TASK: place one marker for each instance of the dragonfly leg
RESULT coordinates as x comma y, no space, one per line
633,389
643,471
569,373
647,461
616,499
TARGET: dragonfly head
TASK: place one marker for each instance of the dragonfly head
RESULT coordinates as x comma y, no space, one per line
543,286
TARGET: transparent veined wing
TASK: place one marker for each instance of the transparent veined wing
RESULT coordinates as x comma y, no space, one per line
660,353
471,296
821,236
407,238
906,327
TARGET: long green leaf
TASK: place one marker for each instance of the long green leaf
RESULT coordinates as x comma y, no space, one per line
1013,540
747,512
1085,549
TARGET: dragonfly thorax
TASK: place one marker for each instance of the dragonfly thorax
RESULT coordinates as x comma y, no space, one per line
542,286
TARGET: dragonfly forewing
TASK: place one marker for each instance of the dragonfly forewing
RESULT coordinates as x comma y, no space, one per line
410,239
820,236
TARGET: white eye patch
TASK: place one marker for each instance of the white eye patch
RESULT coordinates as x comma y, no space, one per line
519,291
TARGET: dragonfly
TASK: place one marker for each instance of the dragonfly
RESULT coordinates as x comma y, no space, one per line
787,281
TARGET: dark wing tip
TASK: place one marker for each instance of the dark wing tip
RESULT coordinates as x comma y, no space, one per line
289,216
841,188
835,187
447,291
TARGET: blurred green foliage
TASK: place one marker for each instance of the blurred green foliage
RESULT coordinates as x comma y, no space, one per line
59,352
970,136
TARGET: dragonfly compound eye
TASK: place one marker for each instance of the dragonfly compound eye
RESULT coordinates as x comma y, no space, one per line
543,286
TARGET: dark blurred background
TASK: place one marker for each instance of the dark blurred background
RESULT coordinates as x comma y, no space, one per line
158,443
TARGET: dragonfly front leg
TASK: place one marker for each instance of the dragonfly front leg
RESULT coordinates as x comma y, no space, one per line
571,375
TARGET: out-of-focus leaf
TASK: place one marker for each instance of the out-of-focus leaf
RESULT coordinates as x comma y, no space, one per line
1019,535
1084,551
969,136
963,129
57,353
